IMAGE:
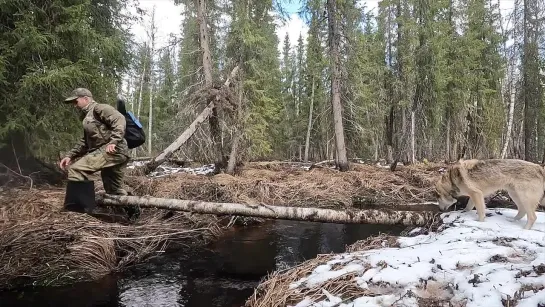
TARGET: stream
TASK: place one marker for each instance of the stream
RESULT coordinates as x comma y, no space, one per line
221,274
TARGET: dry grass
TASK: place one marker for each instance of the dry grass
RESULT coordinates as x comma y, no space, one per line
380,241
281,184
40,245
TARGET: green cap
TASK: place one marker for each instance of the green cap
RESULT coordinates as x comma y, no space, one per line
79,92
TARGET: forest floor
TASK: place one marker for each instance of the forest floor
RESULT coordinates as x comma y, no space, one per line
43,246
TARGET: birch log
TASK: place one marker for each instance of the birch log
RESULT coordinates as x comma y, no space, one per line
347,216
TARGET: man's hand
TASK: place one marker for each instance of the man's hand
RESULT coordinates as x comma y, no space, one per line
110,148
65,162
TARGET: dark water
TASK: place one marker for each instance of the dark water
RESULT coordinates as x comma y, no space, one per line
222,274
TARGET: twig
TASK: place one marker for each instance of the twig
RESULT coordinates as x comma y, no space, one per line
16,158
408,292
20,175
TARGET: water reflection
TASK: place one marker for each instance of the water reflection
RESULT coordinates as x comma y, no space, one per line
101,293
156,291
223,274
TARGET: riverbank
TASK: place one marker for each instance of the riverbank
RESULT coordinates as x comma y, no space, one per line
42,246
222,273
463,263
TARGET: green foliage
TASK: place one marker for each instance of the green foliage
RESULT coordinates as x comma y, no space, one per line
48,48
252,42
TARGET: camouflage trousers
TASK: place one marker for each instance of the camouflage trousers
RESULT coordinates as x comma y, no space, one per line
110,166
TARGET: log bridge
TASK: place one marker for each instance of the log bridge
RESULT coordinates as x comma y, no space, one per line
346,216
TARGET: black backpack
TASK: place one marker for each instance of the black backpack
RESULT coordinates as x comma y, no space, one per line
134,134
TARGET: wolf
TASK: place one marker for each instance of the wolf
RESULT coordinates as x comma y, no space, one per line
523,180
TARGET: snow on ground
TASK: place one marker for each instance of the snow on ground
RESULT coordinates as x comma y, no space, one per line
467,262
166,169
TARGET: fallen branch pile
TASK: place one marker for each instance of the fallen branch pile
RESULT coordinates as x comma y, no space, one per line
43,246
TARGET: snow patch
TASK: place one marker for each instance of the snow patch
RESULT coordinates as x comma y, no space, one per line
467,262
166,169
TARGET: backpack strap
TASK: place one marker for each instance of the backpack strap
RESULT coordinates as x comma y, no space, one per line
135,120
97,118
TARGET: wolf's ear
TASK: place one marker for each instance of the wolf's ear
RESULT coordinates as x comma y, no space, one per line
454,174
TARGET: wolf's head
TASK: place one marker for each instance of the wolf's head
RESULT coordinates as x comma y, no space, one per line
446,190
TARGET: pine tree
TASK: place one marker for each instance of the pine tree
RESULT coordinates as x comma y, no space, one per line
252,42
47,49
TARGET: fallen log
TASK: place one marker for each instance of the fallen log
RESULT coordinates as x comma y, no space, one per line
348,216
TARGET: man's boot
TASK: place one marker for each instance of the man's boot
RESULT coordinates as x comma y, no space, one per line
80,196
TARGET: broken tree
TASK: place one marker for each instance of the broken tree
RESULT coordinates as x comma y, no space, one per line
213,120
213,98
346,216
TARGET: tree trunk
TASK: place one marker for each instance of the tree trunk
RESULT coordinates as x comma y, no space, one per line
345,216
334,43
231,164
449,156
215,129
531,83
413,146
307,139
509,126
141,89
150,120
152,51
203,37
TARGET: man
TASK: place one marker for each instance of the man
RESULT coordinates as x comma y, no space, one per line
102,148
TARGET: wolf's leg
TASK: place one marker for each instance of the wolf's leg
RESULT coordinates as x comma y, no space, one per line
520,205
532,217
520,214
469,206
542,201
529,201
478,201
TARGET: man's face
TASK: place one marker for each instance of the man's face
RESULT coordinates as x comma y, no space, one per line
81,102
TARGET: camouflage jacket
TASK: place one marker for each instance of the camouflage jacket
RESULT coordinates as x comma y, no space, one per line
102,125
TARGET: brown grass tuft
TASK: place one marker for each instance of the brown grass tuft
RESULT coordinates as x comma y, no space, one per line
373,242
275,291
